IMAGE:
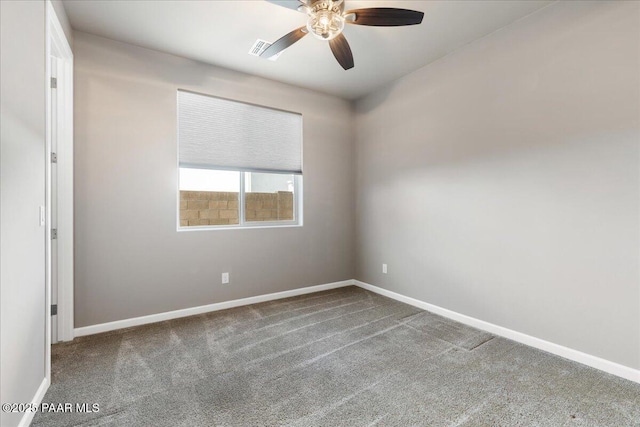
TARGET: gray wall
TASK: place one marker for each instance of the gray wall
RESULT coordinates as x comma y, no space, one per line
502,181
130,260
22,192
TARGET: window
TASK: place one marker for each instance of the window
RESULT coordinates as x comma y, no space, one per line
240,165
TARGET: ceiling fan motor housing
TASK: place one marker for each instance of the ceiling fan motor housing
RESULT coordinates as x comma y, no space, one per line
336,6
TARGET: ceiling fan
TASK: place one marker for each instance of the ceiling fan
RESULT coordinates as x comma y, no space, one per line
326,22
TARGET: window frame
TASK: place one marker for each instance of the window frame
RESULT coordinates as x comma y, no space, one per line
298,205
242,222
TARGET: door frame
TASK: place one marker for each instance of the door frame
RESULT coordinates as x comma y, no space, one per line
58,46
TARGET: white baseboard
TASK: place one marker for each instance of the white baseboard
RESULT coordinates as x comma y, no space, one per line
37,399
159,317
559,350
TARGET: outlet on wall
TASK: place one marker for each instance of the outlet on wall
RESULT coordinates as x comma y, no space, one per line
225,278
384,268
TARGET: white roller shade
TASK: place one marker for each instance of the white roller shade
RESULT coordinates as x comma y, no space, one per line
217,133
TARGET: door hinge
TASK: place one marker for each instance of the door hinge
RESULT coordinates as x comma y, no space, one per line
54,309
54,158
54,83
54,233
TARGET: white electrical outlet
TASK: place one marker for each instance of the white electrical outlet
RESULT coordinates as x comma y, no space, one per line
384,268
225,278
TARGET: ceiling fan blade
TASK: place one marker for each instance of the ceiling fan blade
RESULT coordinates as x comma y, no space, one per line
284,42
342,51
384,17
290,4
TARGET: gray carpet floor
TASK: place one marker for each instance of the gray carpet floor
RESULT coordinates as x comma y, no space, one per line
345,357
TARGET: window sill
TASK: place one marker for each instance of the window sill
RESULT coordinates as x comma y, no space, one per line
236,227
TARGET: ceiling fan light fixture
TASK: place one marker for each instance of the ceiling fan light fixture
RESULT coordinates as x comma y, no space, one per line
325,24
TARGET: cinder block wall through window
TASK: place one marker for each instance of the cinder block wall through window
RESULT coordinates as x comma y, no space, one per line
221,208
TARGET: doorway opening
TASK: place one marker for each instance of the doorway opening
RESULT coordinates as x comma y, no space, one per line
59,205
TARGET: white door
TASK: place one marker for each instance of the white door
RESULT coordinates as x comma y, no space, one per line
54,123
59,206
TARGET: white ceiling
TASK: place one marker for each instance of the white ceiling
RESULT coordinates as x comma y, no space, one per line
222,32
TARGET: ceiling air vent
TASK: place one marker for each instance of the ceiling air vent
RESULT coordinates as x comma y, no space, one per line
260,46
